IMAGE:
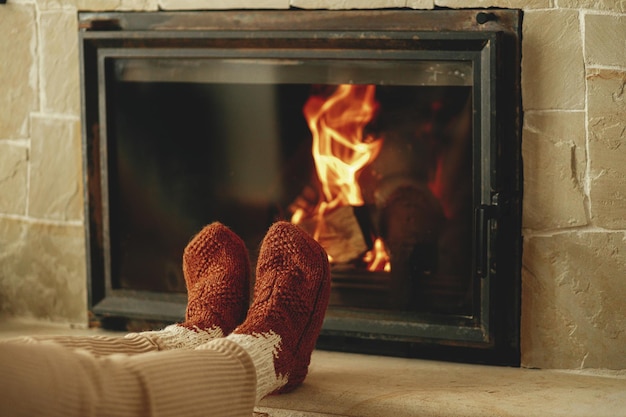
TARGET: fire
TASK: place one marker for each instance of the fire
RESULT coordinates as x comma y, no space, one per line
377,259
341,150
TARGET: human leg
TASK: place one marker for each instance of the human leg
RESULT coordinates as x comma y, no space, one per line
48,379
270,350
216,270
217,275
290,298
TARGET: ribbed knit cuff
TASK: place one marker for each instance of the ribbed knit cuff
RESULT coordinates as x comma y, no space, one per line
262,348
179,337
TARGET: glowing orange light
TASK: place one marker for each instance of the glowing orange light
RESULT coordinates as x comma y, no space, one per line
377,258
436,186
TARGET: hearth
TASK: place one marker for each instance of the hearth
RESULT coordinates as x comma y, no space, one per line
390,136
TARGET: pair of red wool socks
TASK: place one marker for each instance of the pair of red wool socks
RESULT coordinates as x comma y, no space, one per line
290,295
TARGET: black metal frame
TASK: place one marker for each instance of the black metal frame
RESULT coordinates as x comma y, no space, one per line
490,40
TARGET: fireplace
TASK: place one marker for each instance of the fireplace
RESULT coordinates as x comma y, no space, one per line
392,137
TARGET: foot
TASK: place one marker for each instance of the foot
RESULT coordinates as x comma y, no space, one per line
217,271
290,299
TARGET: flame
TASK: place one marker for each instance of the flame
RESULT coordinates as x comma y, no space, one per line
341,150
377,258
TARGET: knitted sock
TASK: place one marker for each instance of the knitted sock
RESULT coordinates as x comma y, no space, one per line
217,271
290,299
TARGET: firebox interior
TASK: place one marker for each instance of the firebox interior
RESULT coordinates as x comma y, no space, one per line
186,153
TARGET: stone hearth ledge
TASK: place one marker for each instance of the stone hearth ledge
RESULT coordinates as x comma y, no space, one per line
351,385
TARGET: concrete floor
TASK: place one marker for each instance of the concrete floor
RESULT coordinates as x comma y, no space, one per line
353,385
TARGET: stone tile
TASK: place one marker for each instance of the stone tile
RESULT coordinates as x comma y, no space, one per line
18,77
607,147
420,4
347,4
511,4
351,385
553,151
573,310
43,271
55,174
222,4
60,62
13,178
609,5
553,73
604,40
100,5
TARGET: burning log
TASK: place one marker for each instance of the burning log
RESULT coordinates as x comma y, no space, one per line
411,219
338,232
409,212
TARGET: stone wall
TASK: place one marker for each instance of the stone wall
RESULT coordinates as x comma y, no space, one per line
573,87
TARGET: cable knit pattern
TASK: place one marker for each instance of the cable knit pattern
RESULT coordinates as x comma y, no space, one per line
290,299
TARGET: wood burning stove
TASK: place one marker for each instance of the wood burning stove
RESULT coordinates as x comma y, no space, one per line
390,136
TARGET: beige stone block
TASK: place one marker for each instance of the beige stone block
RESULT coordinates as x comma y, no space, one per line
59,62
55,173
42,271
13,178
511,4
610,5
222,4
420,4
604,40
347,4
607,147
553,73
553,152
100,5
18,69
573,310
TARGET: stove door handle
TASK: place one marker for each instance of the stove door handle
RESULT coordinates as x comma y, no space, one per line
484,214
